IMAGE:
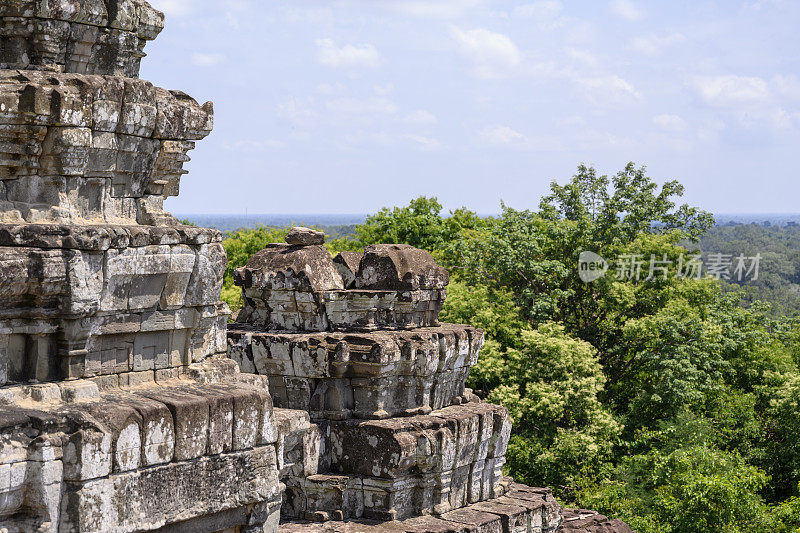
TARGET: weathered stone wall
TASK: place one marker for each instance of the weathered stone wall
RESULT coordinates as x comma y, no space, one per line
83,36
90,149
119,409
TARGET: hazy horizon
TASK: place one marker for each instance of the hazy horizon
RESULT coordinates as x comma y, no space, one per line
234,221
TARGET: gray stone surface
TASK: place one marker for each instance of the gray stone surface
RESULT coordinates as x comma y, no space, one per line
300,288
303,236
89,36
380,374
347,264
93,149
520,510
399,267
119,409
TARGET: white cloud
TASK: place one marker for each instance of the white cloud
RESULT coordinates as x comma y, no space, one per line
491,54
608,88
781,119
653,44
175,8
541,9
433,8
583,56
753,107
731,90
347,56
573,121
626,9
370,106
669,122
420,117
296,110
764,4
787,86
383,90
363,138
426,144
310,16
710,130
207,60
330,88
235,10
498,134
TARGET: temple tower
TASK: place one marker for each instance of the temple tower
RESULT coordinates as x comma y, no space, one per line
119,410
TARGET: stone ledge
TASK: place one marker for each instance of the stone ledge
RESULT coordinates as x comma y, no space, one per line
147,499
417,352
521,510
396,468
363,375
114,459
72,46
111,104
341,310
128,15
293,287
88,147
585,521
102,237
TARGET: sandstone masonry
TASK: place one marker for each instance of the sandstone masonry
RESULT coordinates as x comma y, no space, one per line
119,409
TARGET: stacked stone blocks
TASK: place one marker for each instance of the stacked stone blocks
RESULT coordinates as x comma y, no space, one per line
354,341
119,409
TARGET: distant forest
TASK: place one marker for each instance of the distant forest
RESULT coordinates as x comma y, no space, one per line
778,282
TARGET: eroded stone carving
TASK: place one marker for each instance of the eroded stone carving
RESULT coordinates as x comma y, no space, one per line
82,36
119,409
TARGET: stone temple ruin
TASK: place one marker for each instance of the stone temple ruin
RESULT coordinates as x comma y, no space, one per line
127,402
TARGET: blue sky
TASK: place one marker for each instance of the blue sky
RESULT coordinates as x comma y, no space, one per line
345,106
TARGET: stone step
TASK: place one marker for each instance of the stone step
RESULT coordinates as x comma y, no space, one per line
139,458
521,510
371,375
395,468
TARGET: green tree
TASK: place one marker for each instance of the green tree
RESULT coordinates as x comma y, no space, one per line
692,489
419,224
550,385
621,209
